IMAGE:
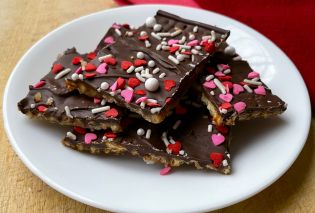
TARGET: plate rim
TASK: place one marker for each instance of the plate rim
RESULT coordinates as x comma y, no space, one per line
85,200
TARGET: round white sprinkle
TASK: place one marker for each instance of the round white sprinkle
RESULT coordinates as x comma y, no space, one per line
74,76
157,27
140,132
71,136
229,50
143,33
104,85
156,70
32,106
142,105
150,22
148,134
151,63
151,84
140,55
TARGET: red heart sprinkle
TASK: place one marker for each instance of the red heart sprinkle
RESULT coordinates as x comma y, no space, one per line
133,82
226,105
217,159
227,84
79,130
180,110
125,65
110,61
89,75
91,55
41,108
120,83
211,70
209,47
150,104
140,62
173,49
57,68
175,148
139,92
222,129
113,113
76,60
143,38
90,67
225,78
110,135
169,84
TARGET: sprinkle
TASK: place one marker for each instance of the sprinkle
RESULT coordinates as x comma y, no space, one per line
130,69
68,113
182,46
193,43
76,60
138,75
180,57
112,113
148,134
104,85
71,136
129,33
176,125
100,109
253,74
210,128
155,110
195,29
239,107
257,83
164,34
226,105
227,71
151,84
81,77
217,139
125,65
174,60
237,58
109,40
169,84
100,59
164,139
89,75
260,90
138,69
103,102
140,55
248,89
142,105
102,68
57,68
213,36
226,97
225,163
74,76
165,170
223,111
62,73
133,82
158,47
145,75
182,40
156,70
212,92
150,22
79,130
151,63
191,36
165,47
118,32
194,51
229,50
96,101
140,132
209,77
162,75
154,35
197,47
127,94
142,99
175,148
157,27
89,137
147,43
79,70
219,85
39,84
216,158
209,84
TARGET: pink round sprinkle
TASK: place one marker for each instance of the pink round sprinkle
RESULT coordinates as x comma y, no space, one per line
165,170
127,94
89,137
219,74
139,100
193,43
217,139
97,100
172,41
209,85
239,107
253,74
39,84
260,90
102,68
79,70
109,40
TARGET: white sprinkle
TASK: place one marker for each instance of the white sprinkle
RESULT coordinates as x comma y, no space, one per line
100,59
68,113
156,70
150,21
194,51
150,100
129,33
147,43
145,75
237,58
227,71
164,139
176,125
195,29
147,71
197,47
140,132
151,84
172,141
164,34
248,89
180,57
140,55
151,63
103,102
100,109
157,27
228,155
154,35
81,76
229,50
255,79
158,47
71,136
219,85
155,110
257,83
104,85
130,69
223,111
182,40
175,33
138,69
164,47
209,77
143,33
210,128
182,152
213,36
62,73
142,105
192,65
191,37
148,134
182,46
192,58
211,92
118,32
225,163
174,60
162,75
74,76
32,106
138,75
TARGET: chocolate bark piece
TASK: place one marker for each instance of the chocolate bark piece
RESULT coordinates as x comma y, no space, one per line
182,138
233,91
161,58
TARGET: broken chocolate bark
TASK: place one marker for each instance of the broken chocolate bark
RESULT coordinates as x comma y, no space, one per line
150,68
233,91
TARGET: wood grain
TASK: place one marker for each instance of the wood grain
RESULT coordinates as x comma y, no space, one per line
22,23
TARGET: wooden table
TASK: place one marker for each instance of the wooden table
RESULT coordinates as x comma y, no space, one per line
22,23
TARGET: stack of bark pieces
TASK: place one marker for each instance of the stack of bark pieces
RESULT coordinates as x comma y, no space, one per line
167,91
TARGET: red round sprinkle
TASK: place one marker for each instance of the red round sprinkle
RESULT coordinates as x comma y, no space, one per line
120,83
76,60
110,61
150,104
140,62
89,75
226,105
133,82
227,84
169,84
173,49
125,65
139,92
175,148
113,113
57,68
91,55
217,159
180,110
79,130
143,38
90,67
110,135
222,129
225,78
41,108
209,47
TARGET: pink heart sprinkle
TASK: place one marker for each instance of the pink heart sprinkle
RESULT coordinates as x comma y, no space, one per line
114,86
39,84
253,74
116,26
79,70
260,90
209,85
97,101
217,139
219,74
102,68
127,94
139,100
226,97
239,107
237,89
89,137
193,43
165,170
172,41
109,40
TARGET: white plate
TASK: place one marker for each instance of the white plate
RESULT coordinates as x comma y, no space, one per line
261,151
